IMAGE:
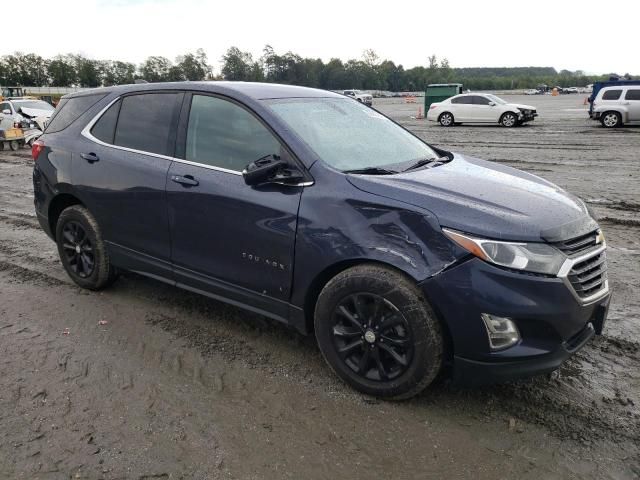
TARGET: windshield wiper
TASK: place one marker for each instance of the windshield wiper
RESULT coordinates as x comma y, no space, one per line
371,171
426,161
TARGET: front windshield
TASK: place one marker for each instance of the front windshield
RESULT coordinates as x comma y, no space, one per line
36,104
497,100
348,135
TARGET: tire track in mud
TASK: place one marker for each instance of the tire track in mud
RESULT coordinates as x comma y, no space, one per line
20,221
589,398
16,158
21,274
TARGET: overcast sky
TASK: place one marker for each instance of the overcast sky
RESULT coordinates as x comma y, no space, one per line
564,34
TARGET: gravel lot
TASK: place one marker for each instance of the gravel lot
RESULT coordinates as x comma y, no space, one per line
145,381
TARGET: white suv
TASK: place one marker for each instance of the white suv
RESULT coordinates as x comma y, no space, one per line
615,106
480,108
359,96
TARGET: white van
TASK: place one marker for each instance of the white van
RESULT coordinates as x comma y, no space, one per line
615,106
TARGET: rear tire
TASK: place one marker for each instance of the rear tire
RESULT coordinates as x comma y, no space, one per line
14,145
82,250
378,333
611,119
446,119
509,120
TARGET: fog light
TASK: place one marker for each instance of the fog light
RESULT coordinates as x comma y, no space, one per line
502,332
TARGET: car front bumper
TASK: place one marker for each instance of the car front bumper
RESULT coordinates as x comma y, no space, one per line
552,323
528,117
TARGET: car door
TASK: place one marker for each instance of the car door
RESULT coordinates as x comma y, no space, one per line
229,239
120,169
632,102
461,108
482,110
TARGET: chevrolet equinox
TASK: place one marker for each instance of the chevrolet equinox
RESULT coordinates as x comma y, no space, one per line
405,260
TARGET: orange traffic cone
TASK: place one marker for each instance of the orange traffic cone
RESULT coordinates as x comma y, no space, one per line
419,116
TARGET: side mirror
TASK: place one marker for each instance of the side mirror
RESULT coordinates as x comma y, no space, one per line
492,104
6,111
270,169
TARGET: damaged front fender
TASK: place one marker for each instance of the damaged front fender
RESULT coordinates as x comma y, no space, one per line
335,229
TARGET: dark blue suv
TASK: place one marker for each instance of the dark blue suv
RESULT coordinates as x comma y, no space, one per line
404,259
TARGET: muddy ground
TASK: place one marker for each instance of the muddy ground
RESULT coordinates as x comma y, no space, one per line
145,381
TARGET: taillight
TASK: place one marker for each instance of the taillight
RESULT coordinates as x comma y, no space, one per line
36,148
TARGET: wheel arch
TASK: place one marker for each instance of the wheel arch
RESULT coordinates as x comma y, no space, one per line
323,277
505,112
620,111
330,272
326,275
57,206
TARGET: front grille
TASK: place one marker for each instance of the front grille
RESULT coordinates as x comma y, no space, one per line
578,244
589,276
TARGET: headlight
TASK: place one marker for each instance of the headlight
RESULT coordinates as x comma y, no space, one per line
530,257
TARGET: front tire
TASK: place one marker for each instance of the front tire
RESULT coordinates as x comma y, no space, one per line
446,119
82,250
611,119
378,333
509,120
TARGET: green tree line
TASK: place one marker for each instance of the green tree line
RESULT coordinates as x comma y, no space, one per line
368,73
76,70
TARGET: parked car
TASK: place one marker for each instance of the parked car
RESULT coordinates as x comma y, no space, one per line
615,106
359,96
405,260
480,108
570,90
531,91
596,87
27,112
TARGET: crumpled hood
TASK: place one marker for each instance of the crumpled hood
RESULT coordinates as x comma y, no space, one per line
36,112
525,107
486,199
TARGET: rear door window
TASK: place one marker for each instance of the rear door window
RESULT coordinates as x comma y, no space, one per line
70,109
611,95
225,135
633,94
147,122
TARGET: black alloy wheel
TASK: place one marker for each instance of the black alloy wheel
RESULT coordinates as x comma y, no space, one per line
78,249
82,250
378,333
372,337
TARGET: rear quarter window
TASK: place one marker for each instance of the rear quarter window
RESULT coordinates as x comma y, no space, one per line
105,128
70,109
611,95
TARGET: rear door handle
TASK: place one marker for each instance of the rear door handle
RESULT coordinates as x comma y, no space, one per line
90,157
186,180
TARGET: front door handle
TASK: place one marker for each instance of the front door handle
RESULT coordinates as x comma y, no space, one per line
90,157
186,180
